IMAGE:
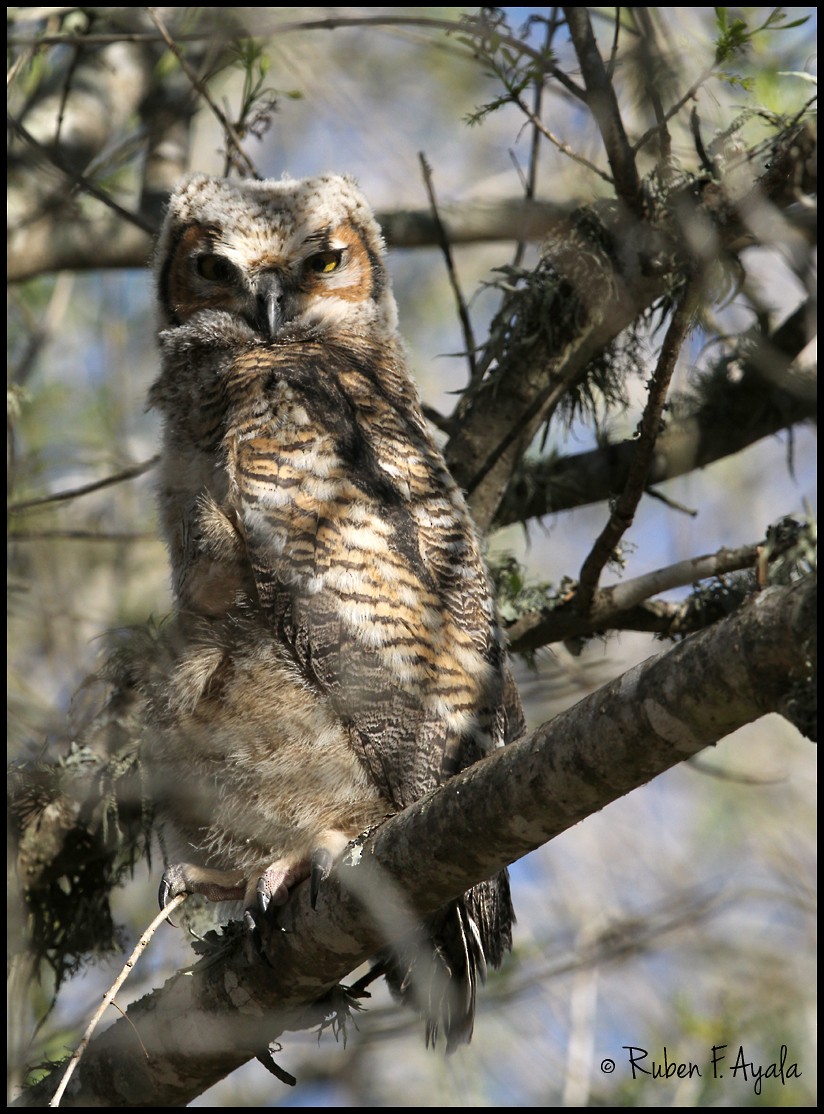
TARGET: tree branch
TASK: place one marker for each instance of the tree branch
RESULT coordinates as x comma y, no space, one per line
727,413
204,1023
563,147
78,180
199,85
575,304
53,244
603,103
130,473
446,250
627,605
623,513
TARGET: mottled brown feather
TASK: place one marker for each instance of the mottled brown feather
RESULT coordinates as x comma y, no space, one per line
335,651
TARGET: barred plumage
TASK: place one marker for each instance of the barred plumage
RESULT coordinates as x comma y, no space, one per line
335,652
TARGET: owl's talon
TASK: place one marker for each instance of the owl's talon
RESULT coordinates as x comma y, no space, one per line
184,878
274,884
164,899
264,897
172,883
258,932
322,860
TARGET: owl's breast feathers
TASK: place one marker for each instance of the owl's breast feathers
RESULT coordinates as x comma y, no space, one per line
334,652
363,556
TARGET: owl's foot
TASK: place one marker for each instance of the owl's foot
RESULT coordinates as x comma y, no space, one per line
277,881
272,888
215,885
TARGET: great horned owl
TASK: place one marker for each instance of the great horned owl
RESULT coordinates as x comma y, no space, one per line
334,652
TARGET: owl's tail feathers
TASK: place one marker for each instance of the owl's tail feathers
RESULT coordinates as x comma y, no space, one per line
439,972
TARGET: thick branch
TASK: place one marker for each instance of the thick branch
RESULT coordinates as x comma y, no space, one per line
51,243
179,1040
610,291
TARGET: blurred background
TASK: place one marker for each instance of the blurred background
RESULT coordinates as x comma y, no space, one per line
681,916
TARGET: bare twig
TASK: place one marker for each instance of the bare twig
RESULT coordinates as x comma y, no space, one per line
531,182
564,148
79,179
81,536
446,248
620,605
604,106
108,997
64,496
649,57
649,427
199,86
465,26
613,54
707,163
674,110
673,504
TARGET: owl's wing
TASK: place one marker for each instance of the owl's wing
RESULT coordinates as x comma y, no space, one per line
358,565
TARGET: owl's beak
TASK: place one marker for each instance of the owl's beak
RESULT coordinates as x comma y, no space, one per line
270,304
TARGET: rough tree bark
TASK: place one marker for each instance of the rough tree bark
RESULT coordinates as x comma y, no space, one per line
181,1039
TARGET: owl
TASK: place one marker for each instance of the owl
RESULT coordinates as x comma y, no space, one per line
334,651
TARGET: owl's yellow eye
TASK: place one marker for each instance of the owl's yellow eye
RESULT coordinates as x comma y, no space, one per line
324,262
215,268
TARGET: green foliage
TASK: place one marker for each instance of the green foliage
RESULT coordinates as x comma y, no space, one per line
505,58
736,37
258,101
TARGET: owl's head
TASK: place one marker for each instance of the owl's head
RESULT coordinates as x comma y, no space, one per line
280,257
